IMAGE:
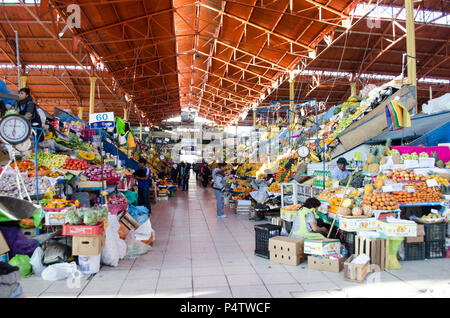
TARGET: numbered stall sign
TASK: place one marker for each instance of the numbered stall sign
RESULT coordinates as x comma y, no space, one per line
101,120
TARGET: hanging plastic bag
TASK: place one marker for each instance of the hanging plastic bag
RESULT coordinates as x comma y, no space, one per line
110,253
134,247
59,271
23,263
36,261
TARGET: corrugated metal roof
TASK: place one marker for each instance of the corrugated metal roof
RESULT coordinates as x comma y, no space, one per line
420,125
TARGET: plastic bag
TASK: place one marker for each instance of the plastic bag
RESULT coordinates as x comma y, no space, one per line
55,253
135,247
59,271
139,213
110,253
23,263
36,261
144,232
72,216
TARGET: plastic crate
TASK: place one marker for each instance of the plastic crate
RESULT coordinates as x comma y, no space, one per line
414,251
435,249
349,242
83,230
435,232
263,232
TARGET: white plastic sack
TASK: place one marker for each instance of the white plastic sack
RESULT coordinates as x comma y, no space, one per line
144,232
36,261
110,254
59,271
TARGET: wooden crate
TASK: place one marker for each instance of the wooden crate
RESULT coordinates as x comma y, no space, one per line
356,272
377,249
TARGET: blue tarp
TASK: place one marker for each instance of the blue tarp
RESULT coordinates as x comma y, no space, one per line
434,137
4,89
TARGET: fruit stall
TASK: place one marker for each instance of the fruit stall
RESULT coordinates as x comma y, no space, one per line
83,202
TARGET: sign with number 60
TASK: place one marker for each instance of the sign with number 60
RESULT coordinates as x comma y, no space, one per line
101,119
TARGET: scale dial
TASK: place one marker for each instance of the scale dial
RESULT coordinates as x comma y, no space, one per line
303,151
15,129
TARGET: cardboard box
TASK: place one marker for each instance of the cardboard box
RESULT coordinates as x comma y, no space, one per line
397,229
88,245
287,215
416,239
54,218
322,246
420,230
29,233
4,248
325,264
286,259
286,245
357,224
356,272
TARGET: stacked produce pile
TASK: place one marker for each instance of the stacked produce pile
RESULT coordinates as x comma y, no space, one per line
86,216
422,193
48,160
75,164
94,173
9,187
275,187
59,204
380,201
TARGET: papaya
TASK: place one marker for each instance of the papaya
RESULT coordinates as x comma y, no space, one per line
88,156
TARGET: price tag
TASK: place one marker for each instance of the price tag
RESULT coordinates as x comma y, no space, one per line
387,188
410,190
432,183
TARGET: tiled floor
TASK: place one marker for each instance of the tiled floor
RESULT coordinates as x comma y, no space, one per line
198,255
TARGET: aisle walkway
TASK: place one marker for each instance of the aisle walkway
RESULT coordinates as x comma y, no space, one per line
198,255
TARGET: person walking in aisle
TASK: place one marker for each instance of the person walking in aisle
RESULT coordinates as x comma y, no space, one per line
187,171
174,173
181,174
205,172
219,185
144,180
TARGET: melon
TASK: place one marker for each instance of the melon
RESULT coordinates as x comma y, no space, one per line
357,211
344,211
367,210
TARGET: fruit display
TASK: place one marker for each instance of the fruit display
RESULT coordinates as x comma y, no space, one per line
56,174
41,172
60,204
431,218
48,160
380,201
439,179
355,194
94,173
357,211
75,164
294,207
275,187
325,195
23,166
399,175
368,189
426,194
88,156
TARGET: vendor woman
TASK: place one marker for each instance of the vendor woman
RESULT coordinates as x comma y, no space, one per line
305,222
340,172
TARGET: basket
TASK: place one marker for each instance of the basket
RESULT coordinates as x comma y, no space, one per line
435,249
414,251
435,232
263,232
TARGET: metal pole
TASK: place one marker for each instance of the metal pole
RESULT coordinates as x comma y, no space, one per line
18,59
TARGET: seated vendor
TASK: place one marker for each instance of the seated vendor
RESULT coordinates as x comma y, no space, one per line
340,172
305,222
